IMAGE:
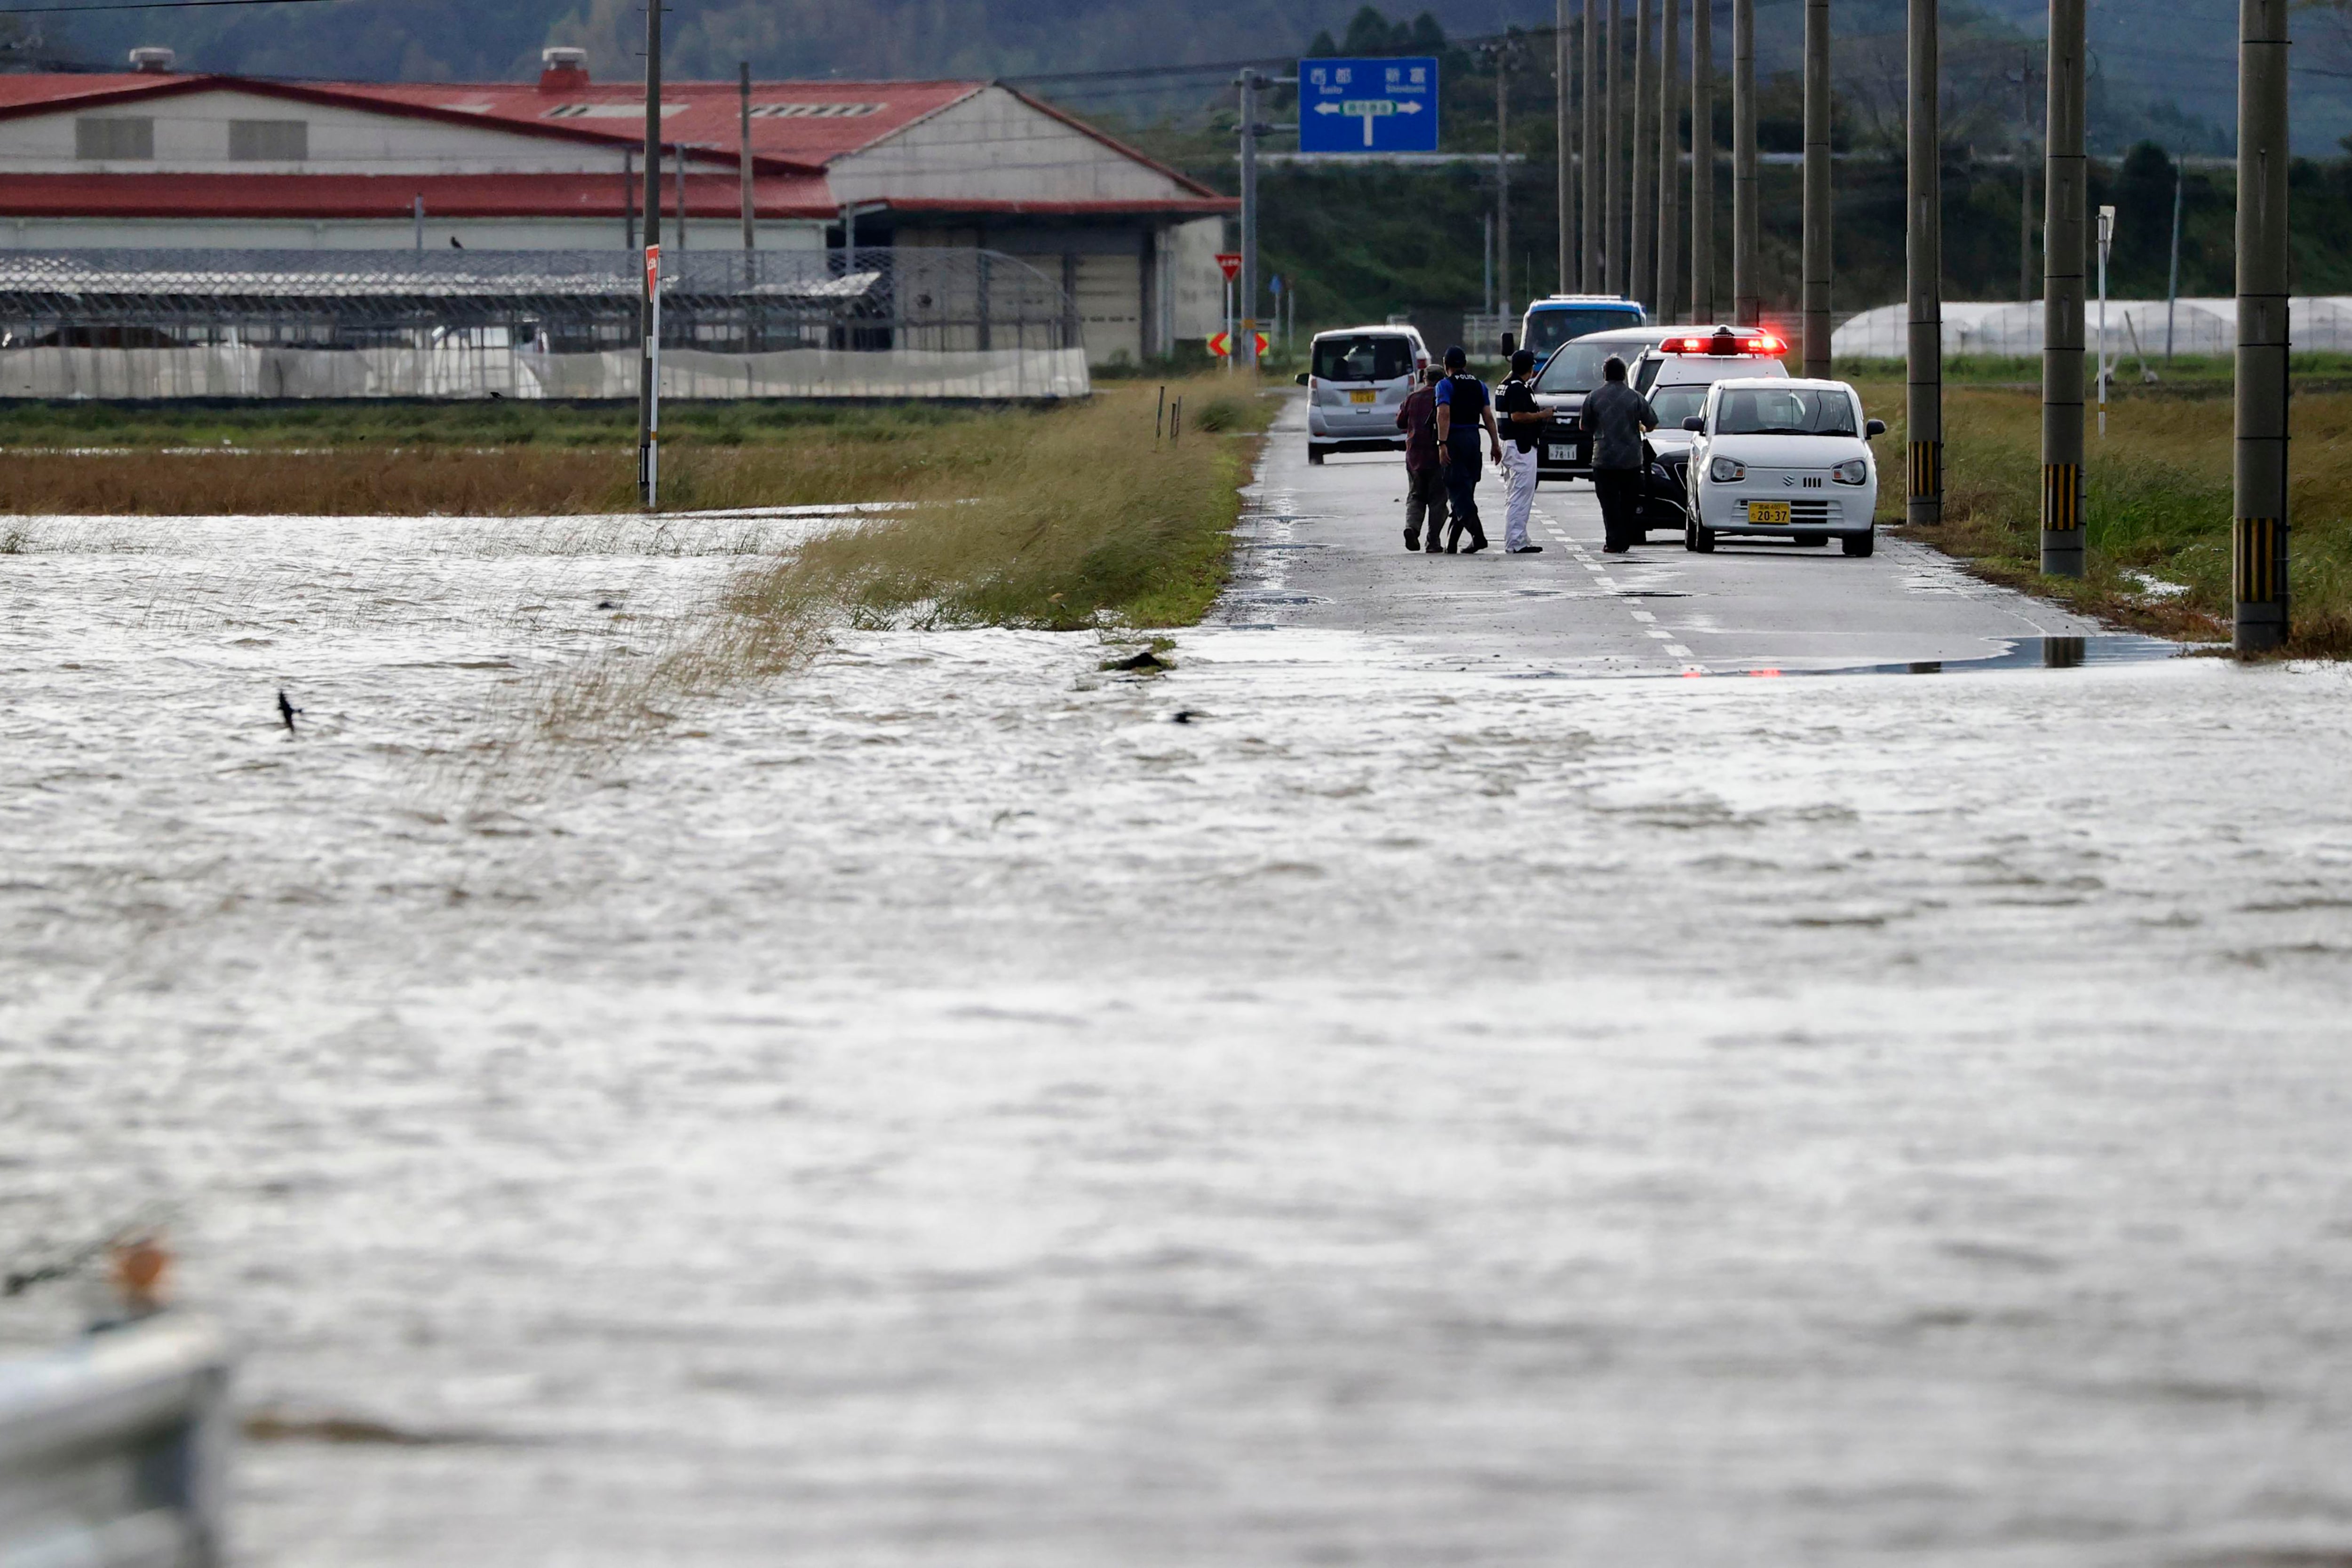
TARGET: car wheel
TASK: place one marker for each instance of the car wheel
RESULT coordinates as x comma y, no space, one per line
1699,539
1860,544
1314,455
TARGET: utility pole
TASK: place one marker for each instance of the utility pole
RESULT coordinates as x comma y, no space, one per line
1704,309
1590,179
2173,289
2258,576
1817,259
2063,219
1924,187
1243,344
1566,143
1747,295
743,160
1670,161
649,304
2024,227
1613,219
1502,53
1638,254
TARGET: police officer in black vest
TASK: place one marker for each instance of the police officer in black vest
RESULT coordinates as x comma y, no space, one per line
1464,405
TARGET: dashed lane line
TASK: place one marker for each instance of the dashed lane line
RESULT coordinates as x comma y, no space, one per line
1646,620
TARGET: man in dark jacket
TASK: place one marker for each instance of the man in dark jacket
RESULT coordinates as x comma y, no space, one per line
1424,476
1616,417
1463,408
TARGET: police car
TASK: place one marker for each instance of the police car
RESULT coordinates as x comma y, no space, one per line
1357,379
1675,365
1781,458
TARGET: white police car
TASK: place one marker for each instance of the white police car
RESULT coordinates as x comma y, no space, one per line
1783,459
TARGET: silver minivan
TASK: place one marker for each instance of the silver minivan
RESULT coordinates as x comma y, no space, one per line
1357,379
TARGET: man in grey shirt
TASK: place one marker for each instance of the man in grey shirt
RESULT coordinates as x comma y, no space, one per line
1616,417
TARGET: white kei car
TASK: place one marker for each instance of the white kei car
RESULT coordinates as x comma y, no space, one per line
1783,459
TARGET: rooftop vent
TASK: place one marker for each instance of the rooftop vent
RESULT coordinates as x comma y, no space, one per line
566,70
152,59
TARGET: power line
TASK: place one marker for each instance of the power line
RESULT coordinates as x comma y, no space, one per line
144,6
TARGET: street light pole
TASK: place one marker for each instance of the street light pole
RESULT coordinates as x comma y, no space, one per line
1670,161
1747,299
1818,260
1924,377
743,158
1639,253
1705,311
2258,574
1501,178
2065,215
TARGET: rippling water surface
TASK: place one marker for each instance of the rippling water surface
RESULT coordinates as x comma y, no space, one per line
942,1109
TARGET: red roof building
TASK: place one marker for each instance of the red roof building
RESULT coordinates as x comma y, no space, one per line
156,159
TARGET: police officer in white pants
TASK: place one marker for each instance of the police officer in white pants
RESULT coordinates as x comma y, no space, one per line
1522,419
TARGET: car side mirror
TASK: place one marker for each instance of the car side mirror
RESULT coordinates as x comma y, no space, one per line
1697,423
1875,427
1302,378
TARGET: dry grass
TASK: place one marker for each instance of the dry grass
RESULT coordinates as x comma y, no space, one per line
2159,503
1068,520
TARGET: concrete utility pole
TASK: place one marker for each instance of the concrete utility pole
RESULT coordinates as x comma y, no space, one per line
1747,289
1638,254
2024,227
1924,187
1501,178
1612,243
2065,218
1244,341
1704,309
744,159
1817,187
1562,74
649,303
1593,280
2258,574
2172,288
1670,161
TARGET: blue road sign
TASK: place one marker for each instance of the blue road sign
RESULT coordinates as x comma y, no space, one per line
1368,106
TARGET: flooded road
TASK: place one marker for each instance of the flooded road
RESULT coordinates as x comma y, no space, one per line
1323,1105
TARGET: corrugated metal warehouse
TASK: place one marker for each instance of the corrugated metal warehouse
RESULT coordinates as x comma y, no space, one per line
155,159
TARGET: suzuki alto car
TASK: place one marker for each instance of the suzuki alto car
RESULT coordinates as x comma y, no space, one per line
1357,379
1783,459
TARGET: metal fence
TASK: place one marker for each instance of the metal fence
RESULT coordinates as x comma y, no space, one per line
111,1449
895,322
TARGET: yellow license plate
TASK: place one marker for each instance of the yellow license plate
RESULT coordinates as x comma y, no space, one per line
1769,514
1364,397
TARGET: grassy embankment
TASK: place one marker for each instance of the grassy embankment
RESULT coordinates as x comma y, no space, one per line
2159,493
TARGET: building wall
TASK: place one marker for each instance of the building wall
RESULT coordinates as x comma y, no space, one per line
1196,287
993,146
371,233
191,133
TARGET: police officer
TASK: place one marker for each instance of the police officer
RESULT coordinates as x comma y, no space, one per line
1516,403
1464,407
1617,418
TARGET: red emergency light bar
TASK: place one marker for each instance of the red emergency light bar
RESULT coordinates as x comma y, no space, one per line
1725,343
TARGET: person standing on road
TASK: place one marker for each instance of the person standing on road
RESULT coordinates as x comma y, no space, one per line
1424,476
1463,406
1616,417
1516,406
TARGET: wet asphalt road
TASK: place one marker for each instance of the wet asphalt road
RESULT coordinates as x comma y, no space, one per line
1329,554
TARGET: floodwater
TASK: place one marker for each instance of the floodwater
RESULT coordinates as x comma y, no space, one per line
957,1106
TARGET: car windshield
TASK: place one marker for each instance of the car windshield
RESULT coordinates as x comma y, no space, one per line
1577,367
1548,328
1674,404
1785,411
1363,357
